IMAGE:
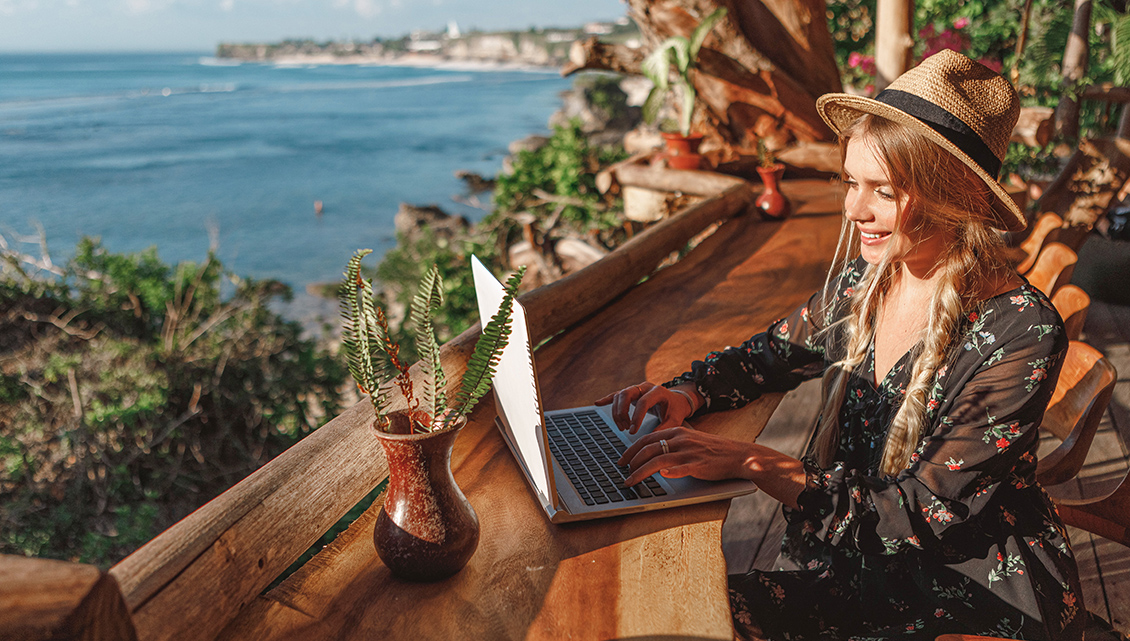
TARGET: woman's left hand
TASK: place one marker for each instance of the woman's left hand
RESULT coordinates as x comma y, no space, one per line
681,451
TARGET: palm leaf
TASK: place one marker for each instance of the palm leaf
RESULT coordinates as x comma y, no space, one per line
429,298
698,36
488,350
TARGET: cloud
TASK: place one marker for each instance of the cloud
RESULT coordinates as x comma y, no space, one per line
363,8
227,5
12,7
146,6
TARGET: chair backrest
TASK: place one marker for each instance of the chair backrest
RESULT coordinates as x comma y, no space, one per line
1035,240
1072,304
1085,385
1053,268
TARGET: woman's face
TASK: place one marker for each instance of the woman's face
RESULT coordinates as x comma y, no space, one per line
876,209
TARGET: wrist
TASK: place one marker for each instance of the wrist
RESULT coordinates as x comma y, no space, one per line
690,399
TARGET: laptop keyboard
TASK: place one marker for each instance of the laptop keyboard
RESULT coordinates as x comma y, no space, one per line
588,455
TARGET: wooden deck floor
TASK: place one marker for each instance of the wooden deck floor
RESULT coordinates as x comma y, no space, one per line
754,525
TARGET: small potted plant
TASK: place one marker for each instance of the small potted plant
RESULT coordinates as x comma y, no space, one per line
771,201
680,53
426,529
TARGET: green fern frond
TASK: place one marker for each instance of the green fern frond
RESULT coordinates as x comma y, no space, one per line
428,299
361,335
488,350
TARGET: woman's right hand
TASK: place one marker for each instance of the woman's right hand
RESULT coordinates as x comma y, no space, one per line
675,407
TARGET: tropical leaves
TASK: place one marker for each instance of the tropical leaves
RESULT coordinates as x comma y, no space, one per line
488,350
681,53
373,358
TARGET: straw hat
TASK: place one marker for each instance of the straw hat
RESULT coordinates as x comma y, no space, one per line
966,108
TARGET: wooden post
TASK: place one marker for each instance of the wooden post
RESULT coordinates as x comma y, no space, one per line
894,21
1074,67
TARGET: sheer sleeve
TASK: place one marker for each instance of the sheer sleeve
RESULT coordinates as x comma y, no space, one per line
981,449
794,349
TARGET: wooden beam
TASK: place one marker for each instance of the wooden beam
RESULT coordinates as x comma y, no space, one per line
57,600
695,183
194,578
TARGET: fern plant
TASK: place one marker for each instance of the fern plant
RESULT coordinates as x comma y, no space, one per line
374,359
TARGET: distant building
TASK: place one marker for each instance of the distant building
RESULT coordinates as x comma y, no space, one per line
597,28
452,29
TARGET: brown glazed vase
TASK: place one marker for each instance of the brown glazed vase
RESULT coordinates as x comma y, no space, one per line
682,151
771,201
426,530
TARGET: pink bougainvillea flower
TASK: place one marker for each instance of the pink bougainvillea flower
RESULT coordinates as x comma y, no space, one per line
961,23
853,59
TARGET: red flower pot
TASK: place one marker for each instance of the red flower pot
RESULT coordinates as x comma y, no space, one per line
682,151
771,201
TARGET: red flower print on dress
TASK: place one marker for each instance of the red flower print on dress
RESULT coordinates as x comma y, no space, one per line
954,465
1002,443
973,316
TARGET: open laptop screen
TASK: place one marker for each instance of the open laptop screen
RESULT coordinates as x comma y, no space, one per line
515,383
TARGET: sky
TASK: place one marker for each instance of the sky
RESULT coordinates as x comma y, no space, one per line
199,25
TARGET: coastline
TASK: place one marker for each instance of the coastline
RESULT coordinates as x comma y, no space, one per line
420,61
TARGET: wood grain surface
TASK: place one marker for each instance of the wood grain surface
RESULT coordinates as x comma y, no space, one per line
653,575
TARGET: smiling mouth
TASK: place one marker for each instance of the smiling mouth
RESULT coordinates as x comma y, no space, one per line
872,236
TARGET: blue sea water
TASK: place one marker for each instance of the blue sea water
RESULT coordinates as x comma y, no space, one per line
157,149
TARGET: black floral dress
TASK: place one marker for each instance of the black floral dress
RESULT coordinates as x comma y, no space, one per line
963,540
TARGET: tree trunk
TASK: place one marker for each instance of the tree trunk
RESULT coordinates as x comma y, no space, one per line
1074,67
758,74
894,21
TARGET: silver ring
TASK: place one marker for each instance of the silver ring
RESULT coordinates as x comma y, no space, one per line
663,444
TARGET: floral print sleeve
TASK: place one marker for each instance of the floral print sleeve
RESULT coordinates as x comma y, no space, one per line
793,350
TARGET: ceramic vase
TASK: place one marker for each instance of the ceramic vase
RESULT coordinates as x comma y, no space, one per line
682,151
771,201
426,530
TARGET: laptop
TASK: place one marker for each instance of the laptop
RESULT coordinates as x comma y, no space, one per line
569,456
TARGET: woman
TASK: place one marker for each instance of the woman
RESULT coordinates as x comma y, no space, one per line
915,511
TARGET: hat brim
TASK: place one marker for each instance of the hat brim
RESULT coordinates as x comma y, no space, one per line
840,110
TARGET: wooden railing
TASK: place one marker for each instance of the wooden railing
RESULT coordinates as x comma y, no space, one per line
194,578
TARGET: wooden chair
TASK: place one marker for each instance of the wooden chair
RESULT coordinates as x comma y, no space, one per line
1053,268
1107,515
1072,304
1082,394
1035,240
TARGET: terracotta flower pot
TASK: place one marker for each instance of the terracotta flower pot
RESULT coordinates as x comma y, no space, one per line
426,530
682,151
771,201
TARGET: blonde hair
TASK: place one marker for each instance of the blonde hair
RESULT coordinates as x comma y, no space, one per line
944,197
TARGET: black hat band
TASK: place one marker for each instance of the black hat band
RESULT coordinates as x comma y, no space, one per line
946,125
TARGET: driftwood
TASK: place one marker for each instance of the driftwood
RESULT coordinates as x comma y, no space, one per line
697,183
1083,190
1034,127
193,579
758,75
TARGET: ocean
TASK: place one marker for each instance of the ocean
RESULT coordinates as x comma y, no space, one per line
174,150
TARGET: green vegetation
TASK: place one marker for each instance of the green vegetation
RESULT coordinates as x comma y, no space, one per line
134,392
679,53
988,31
374,358
554,184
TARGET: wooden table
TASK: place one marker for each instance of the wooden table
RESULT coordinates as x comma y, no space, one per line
659,574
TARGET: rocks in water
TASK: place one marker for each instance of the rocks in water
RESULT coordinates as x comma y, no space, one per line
476,183
410,219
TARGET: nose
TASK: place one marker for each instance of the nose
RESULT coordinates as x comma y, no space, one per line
856,207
